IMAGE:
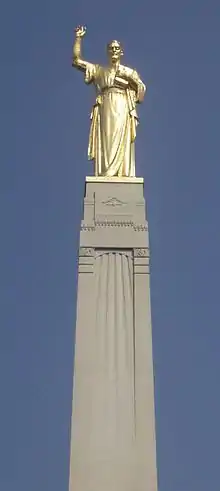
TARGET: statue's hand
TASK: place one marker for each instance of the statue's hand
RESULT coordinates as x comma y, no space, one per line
80,31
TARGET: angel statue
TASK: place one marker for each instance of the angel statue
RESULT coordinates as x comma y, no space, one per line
114,117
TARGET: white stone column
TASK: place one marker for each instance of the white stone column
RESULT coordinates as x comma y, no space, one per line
113,445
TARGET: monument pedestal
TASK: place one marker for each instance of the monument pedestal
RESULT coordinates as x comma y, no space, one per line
113,445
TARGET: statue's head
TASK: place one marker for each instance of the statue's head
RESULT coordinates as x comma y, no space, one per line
115,52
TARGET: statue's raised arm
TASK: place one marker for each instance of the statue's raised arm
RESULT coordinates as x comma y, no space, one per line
77,60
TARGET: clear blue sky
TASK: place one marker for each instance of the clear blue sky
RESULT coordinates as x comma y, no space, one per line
44,115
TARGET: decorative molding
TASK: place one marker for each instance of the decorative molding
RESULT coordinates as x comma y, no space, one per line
144,252
87,228
113,202
140,227
86,251
114,223
123,252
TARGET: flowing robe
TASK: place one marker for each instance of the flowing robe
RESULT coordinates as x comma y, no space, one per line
114,119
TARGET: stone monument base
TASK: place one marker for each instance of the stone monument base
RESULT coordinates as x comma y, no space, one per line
113,424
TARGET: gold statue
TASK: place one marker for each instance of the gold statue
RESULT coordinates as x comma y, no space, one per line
114,118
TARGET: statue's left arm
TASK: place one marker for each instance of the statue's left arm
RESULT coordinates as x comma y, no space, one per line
134,81
140,86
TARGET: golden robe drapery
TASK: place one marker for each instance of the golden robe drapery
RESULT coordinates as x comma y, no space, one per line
114,119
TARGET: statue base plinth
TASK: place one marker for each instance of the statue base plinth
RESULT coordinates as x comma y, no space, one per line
128,180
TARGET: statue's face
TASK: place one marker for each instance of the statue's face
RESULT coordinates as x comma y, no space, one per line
114,52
